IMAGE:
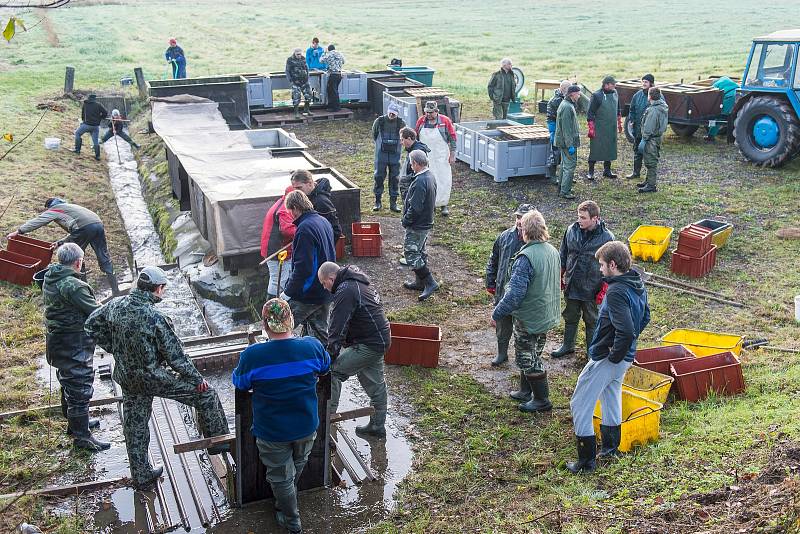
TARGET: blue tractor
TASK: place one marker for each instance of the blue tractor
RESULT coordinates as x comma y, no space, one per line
766,116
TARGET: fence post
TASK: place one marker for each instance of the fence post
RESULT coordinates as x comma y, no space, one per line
140,83
69,80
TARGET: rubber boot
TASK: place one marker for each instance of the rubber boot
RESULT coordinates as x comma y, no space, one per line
376,428
97,152
523,394
610,437
650,183
307,108
81,436
78,145
502,355
112,282
378,205
607,170
430,286
393,205
417,285
568,346
540,393
590,174
150,483
445,211
637,170
93,422
297,111
587,449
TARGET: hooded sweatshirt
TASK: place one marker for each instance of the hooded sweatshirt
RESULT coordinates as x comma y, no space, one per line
655,120
356,315
623,315
320,198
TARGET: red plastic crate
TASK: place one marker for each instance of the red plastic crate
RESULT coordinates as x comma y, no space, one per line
17,268
694,267
694,241
367,239
414,344
340,247
721,373
658,359
33,248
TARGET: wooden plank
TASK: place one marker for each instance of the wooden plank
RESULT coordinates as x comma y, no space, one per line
526,132
352,414
204,443
103,401
68,490
206,340
427,92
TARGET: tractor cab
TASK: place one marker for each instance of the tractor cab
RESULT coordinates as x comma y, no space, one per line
766,116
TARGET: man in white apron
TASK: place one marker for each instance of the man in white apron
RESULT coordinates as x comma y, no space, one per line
438,133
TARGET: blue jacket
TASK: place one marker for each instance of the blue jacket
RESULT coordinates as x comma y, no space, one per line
176,53
283,376
623,315
312,58
312,246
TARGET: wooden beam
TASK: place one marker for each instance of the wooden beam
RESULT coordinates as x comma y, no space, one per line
70,489
69,80
352,414
202,444
103,401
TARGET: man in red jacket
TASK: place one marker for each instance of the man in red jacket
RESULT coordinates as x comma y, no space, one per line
278,231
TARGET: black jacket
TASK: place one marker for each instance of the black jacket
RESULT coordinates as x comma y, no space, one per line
419,202
552,105
356,314
312,246
320,198
583,277
623,315
505,247
93,112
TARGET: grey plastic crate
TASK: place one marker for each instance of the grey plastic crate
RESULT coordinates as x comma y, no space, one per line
466,138
258,89
407,105
352,88
505,158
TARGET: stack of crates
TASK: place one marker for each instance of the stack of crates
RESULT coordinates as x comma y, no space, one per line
23,258
696,254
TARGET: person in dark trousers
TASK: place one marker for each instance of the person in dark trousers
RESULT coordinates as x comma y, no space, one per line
581,279
554,157
504,249
84,227
282,373
605,122
634,119
312,246
623,315
68,302
358,339
417,221
386,134
296,72
319,193
177,59
92,114
116,126
502,89
568,138
532,299
408,138
654,124
333,62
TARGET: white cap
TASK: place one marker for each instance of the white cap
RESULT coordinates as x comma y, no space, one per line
153,275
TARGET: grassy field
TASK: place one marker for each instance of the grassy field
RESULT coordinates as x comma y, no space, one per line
485,467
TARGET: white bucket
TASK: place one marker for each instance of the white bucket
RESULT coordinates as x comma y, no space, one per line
52,143
797,308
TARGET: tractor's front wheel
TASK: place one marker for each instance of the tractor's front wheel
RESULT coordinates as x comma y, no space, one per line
767,131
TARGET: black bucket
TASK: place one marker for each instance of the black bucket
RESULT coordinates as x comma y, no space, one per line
38,278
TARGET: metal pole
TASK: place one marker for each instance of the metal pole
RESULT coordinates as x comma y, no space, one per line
170,474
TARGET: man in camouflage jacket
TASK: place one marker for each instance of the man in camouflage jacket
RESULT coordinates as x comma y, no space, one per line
150,362
68,301
297,74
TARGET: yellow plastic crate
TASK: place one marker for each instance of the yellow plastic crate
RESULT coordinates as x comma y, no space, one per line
641,420
649,243
647,384
703,343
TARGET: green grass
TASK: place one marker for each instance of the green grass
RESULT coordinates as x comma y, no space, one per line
483,467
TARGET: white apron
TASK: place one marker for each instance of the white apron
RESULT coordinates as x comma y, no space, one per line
439,163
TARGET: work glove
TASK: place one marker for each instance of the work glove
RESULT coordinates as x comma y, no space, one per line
591,130
619,124
598,299
640,148
490,290
563,272
551,127
571,151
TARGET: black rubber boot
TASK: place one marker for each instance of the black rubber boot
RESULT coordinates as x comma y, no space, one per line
540,393
607,170
568,346
610,436
393,205
647,189
417,285
93,422
431,285
81,436
378,206
150,483
97,152
112,282
523,394
637,170
502,356
376,428
587,449
590,174
445,211
297,111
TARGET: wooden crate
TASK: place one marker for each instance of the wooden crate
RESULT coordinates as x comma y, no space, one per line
533,131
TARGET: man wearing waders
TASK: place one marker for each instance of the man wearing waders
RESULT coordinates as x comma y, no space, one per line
605,122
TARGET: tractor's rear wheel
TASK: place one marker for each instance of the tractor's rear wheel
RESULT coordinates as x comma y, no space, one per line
767,131
684,130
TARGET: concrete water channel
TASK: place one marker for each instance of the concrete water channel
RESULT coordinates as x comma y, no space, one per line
193,496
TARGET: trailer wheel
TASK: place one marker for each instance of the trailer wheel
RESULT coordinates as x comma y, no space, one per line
684,130
767,131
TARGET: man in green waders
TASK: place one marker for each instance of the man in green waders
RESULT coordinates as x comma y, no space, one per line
567,138
654,124
605,122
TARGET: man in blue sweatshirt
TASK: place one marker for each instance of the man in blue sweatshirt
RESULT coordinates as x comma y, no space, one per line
283,376
623,315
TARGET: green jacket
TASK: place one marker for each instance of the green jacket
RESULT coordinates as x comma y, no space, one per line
655,120
502,86
68,300
636,111
143,343
567,130
540,310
